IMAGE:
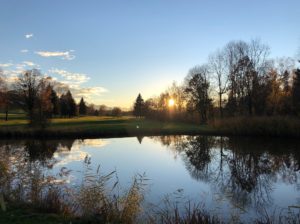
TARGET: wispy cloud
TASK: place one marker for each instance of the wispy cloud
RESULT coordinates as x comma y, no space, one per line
24,51
29,35
29,63
5,65
12,71
88,92
67,55
71,77
74,80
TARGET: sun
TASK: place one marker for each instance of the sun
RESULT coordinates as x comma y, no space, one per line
171,103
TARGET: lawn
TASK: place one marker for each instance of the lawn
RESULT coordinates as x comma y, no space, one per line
97,126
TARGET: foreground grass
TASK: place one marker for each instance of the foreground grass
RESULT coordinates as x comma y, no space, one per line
99,127
27,215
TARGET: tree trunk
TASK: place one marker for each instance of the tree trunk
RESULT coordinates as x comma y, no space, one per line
220,105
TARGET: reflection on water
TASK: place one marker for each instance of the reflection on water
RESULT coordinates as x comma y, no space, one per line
229,175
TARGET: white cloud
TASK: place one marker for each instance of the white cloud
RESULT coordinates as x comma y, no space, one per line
12,71
5,65
74,80
29,35
24,51
67,55
71,77
87,91
29,63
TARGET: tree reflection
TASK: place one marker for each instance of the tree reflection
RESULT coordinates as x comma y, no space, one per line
33,150
198,156
244,170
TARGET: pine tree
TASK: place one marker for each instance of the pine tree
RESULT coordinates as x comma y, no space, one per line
67,105
82,107
55,102
72,108
138,108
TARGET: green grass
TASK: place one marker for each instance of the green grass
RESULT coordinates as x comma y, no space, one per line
95,126
90,126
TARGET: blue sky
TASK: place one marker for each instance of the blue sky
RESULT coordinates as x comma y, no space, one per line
109,51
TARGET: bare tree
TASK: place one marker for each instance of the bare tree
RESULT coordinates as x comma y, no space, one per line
35,94
4,97
219,68
177,93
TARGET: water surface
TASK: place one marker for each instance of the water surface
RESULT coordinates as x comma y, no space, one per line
231,177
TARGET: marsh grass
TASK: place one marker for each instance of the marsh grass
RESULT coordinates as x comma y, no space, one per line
98,199
259,126
26,193
175,208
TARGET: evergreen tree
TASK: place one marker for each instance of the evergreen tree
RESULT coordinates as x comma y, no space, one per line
55,102
63,105
138,108
82,107
67,105
71,104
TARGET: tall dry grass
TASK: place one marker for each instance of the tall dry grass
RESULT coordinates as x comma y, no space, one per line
259,126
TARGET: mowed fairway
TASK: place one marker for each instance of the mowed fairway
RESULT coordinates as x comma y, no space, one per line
99,126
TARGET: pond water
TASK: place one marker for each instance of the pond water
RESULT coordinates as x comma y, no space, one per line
232,177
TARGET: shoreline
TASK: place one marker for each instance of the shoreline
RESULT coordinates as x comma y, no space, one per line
110,127
49,134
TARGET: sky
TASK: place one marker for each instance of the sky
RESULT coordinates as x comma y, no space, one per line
108,51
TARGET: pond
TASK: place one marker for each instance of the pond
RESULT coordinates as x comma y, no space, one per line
235,178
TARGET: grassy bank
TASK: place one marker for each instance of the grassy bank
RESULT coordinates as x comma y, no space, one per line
92,126
80,127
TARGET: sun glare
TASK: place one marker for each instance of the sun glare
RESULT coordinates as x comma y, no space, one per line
171,102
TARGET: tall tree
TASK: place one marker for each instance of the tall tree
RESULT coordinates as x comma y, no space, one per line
4,95
197,89
219,68
176,92
296,92
55,102
82,107
68,105
138,108
34,95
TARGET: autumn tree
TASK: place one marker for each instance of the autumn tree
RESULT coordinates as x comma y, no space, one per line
138,108
4,95
44,104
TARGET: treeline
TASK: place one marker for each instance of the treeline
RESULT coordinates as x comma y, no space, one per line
36,95
238,80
